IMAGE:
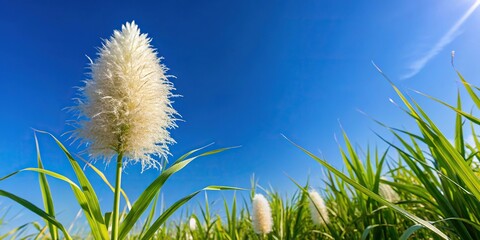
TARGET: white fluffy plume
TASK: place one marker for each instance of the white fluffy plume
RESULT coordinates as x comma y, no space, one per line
318,209
387,192
125,106
261,215
192,224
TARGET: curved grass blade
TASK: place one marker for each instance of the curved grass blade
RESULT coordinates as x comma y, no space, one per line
367,230
470,91
13,232
184,156
79,195
459,137
411,230
151,215
30,206
142,203
102,176
88,191
46,193
41,231
165,215
44,171
305,191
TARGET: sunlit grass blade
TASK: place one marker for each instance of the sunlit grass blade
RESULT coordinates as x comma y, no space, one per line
150,216
91,198
146,197
46,194
30,206
105,180
184,156
44,171
79,195
41,230
411,230
168,212
12,233
470,91
458,110
16,232
459,138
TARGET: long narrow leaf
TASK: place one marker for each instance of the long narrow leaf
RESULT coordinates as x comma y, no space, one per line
46,193
30,206
87,189
165,215
142,203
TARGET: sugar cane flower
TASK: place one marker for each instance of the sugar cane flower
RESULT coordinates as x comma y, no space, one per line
262,215
318,209
125,106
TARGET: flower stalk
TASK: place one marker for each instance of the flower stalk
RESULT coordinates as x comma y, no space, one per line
116,199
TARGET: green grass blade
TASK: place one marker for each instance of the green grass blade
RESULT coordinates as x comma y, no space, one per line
13,232
151,215
470,91
367,230
184,156
46,193
30,206
47,172
108,219
165,215
146,197
79,195
459,138
458,110
411,230
105,180
87,189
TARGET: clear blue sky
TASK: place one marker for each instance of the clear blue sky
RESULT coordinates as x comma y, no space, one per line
248,72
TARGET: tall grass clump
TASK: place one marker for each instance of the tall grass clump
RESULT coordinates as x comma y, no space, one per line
124,112
435,183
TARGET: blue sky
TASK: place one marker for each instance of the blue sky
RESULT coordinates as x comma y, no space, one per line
248,72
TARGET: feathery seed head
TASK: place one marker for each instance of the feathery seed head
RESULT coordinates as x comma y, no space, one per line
318,209
192,223
125,106
262,215
387,192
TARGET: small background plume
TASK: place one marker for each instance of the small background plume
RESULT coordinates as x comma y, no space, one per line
261,215
318,209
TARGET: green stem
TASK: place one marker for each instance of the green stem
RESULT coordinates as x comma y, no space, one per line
116,199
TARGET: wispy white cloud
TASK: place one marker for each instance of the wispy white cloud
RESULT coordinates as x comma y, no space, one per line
416,66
